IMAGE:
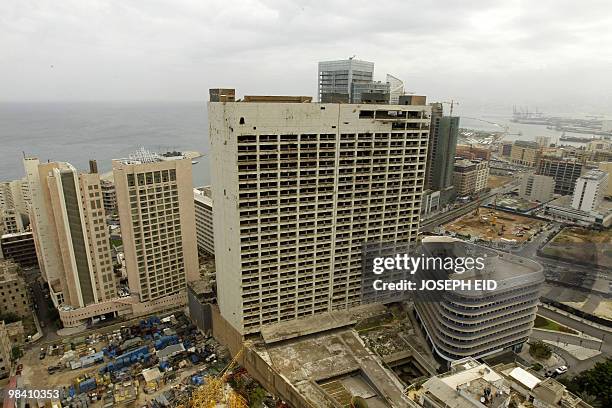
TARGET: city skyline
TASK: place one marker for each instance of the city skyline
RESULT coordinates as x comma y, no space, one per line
356,244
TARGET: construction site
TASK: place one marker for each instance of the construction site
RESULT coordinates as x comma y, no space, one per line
486,224
365,356
157,362
582,245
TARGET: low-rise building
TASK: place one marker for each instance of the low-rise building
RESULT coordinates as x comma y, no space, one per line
319,361
430,203
468,384
13,290
471,384
20,248
473,152
525,153
535,187
561,209
470,176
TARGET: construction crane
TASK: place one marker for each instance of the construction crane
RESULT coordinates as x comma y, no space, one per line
213,392
452,104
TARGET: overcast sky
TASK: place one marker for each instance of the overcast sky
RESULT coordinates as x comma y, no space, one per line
551,53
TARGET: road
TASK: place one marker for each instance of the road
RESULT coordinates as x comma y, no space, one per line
601,342
43,313
429,224
577,323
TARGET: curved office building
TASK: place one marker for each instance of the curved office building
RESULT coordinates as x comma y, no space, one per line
473,322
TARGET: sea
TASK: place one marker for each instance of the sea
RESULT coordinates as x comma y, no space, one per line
78,132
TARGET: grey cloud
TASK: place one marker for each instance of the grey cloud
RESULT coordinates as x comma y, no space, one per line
480,51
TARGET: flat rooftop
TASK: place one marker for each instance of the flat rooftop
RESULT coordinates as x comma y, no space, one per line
500,266
468,382
322,322
594,174
325,362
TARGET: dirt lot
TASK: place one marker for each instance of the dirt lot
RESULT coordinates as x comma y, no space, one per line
583,245
492,225
35,371
498,181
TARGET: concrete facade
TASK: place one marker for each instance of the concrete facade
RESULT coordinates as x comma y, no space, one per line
525,153
565,172
10,221
42,220
476,323
156,213
80,220
72,242
109,196
590,190
470,176
13,290
20,248
5,351
297,189
444,132
607,167
536,187
202,197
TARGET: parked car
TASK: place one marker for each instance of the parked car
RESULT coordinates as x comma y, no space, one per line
561,370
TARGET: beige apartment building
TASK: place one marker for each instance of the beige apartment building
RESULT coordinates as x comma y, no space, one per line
156,213
42,222
72,242
15,194
202,197
525,153
298,188
13,290
80,221
10,221
470,176
6,195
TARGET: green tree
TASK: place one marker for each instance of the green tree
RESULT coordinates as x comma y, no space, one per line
539,349
16,353
595,382
256,397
